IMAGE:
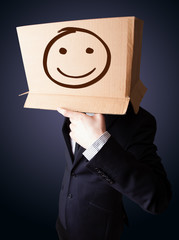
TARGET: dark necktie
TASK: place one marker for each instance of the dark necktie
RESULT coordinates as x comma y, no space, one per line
77,146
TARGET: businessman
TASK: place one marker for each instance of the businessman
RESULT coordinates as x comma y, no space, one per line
108,156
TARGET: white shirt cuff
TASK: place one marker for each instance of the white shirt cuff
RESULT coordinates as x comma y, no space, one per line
90,152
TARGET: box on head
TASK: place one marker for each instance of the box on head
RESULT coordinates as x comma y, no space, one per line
83,65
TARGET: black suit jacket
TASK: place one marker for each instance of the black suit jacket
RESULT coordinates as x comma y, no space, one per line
90,205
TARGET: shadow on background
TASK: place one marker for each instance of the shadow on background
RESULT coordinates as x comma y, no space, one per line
32,157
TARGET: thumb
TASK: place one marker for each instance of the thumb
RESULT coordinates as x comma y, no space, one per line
99,116
100,120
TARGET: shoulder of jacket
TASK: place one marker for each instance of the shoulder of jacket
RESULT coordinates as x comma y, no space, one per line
146,117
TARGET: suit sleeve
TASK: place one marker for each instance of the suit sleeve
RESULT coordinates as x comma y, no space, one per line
136,171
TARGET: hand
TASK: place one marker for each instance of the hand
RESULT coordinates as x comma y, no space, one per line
85,130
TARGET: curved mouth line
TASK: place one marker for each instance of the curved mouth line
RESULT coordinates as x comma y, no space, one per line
81,76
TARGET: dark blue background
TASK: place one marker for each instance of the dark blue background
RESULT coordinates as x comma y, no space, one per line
32,157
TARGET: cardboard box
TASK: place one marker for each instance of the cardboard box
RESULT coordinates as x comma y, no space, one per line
85,65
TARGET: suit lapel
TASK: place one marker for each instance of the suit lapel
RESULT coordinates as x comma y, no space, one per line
109,120
79,154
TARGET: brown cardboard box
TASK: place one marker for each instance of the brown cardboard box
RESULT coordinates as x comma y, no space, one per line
85,65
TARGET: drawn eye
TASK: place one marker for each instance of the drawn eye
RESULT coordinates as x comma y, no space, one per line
89,50
62,50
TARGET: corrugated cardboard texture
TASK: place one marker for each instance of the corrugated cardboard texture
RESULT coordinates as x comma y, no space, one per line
86,65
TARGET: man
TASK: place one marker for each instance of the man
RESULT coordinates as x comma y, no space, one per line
114,156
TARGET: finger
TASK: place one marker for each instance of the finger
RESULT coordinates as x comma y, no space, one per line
64,112
71,126
75,116
71,134
69,113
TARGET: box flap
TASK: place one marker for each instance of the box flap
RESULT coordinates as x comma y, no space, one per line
137,94
77,103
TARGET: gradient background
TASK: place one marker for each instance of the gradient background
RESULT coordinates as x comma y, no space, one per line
32,157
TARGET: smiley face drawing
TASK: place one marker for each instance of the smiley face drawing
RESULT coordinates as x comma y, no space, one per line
76,58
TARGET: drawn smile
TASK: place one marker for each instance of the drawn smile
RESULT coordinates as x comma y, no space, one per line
81,76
